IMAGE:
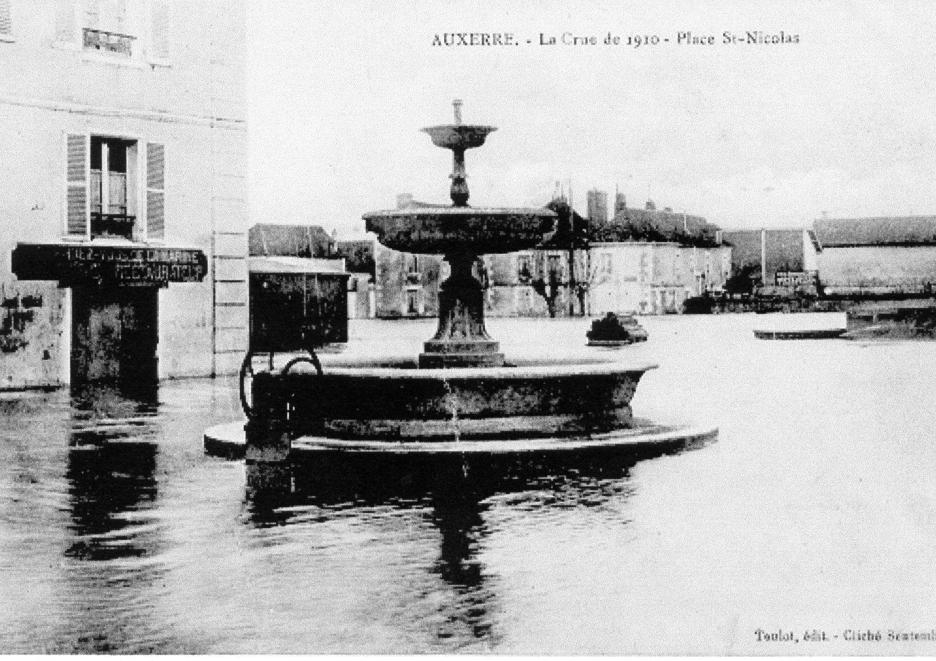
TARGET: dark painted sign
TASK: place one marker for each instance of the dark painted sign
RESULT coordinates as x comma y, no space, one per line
108,265
794,278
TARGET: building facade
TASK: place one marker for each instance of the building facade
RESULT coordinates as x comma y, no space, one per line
406,284
653,277
535,283
776,259
359,261
123,202
878,257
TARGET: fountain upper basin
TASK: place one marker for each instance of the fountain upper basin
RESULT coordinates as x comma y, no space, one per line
458,136
447,230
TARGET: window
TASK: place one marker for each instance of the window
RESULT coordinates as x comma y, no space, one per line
112,201
554,267
411,268
524,270
605,267
106,197
413,302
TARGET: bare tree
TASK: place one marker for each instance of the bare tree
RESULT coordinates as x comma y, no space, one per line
548,289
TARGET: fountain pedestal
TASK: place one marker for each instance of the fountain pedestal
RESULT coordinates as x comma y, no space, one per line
461,339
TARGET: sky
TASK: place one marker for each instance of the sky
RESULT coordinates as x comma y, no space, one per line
841,123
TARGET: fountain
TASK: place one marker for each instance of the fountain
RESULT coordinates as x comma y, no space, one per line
461,394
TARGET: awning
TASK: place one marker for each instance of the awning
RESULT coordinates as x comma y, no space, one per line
115,265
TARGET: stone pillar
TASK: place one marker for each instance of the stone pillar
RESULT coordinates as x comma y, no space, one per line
267,432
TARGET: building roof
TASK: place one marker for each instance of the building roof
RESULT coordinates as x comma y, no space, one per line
653,225
784,248
296,265
290,240
877,231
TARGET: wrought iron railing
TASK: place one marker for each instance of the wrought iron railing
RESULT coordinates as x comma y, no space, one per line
109,42
112,225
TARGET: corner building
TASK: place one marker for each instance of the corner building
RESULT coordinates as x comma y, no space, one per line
122,190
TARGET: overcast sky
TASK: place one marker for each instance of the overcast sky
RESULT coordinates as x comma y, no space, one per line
844,122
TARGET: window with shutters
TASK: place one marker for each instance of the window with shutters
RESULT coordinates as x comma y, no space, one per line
111,189
107,195
6,21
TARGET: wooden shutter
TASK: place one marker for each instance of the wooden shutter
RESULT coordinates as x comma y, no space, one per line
65,21
159,30
77,150
155,190
6,21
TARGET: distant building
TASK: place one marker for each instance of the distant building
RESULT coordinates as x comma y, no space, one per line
535,283
877,257
650,261
653,277
407,284
597,201
359,262
644,261
777,259
549,280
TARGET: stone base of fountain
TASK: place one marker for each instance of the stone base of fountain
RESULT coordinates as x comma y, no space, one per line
229,441
396,406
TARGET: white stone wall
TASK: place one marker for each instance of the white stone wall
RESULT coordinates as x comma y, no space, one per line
189,97
877,269
652,278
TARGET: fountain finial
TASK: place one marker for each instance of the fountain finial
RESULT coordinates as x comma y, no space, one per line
457,104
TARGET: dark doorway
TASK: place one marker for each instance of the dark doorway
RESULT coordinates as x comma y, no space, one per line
114,334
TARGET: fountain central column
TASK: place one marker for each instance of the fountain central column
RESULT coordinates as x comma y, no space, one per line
461,339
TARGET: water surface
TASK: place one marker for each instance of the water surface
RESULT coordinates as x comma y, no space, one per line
816,508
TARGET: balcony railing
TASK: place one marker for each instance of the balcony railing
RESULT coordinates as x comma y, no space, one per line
108,42
112,225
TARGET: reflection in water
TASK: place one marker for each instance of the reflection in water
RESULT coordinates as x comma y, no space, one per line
111,470
112,489
105,484
454,493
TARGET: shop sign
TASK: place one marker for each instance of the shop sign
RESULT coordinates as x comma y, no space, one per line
108,265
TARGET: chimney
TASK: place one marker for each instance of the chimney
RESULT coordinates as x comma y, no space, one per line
404,200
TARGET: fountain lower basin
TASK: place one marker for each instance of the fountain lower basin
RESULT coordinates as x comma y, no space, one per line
394,406
397,401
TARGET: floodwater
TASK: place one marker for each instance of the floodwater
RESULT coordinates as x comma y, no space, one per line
814,511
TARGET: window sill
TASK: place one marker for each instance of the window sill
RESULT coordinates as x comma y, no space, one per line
114,60
113,241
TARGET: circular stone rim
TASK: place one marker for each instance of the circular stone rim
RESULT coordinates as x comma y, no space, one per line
532,370
228,440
